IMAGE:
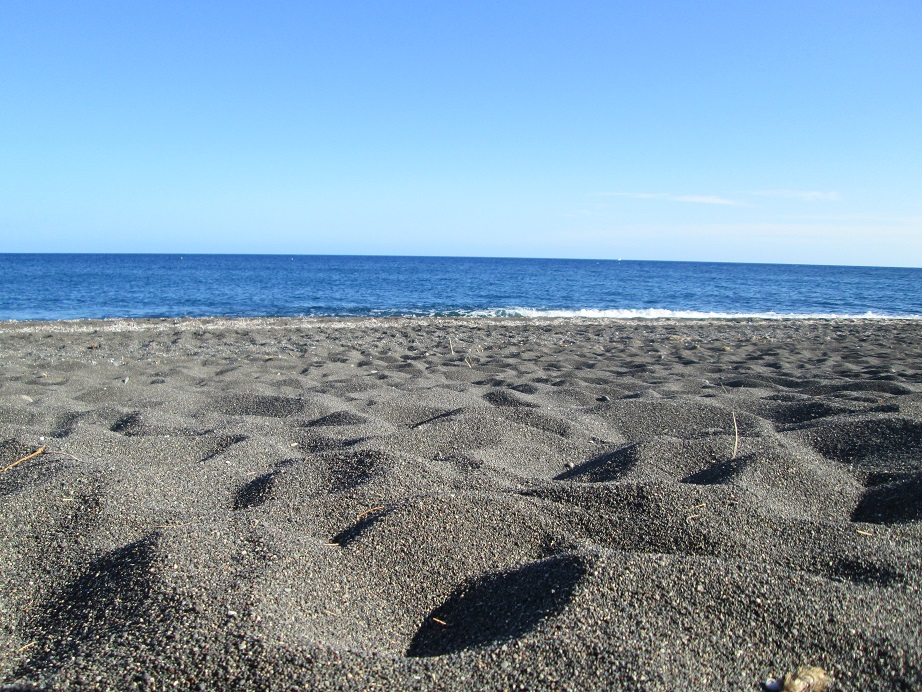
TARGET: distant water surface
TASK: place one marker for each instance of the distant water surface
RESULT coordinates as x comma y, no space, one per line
61,286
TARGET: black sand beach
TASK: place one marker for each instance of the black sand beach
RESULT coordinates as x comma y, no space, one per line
459,504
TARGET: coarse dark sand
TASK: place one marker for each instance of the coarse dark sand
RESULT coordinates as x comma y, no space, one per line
459,503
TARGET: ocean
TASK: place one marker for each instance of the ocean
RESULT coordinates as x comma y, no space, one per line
75,286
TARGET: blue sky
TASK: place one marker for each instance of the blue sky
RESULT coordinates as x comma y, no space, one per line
725,131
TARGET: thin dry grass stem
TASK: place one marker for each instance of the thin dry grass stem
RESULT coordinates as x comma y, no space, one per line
367,512
65,454
450,346
27,646
16,463
736,430
864,533
736,436
695,516
441,622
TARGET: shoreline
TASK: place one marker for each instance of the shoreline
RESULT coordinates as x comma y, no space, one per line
113,324
457,503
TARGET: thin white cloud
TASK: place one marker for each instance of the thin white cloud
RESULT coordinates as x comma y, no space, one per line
705,199
803,195
693,199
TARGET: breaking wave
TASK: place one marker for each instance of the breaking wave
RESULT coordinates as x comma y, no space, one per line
662,313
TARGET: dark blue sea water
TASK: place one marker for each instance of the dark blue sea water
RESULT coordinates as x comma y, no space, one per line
58,286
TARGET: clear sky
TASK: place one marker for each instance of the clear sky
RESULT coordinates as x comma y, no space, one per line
782,131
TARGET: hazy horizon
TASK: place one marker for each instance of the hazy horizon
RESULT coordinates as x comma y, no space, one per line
484,257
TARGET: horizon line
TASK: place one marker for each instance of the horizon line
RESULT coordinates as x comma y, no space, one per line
485,257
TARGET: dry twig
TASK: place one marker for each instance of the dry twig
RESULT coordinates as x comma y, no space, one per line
367,512
16,463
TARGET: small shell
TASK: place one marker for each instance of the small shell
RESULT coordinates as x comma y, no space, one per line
807,679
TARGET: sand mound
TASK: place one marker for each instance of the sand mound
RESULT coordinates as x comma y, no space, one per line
546,504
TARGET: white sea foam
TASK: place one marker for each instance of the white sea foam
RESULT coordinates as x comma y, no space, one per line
662,313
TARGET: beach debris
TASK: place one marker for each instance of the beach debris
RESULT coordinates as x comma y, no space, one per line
772,684
736,436
16,463
65,454
436,417
736,429
807,679
696,515
367,512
